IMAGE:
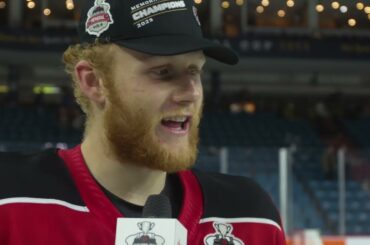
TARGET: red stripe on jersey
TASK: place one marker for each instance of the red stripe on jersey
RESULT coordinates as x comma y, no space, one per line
95,199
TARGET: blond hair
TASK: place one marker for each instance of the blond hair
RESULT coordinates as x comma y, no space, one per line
99,57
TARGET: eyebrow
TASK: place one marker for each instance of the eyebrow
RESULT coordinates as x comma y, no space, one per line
196,67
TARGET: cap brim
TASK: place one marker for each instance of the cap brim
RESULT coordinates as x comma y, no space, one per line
175,44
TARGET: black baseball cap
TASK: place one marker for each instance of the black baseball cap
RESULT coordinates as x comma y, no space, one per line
155,27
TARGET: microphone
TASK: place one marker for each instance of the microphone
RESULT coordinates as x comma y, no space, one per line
157,206
156,227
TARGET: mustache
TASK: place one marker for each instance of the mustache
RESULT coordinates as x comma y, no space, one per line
192,112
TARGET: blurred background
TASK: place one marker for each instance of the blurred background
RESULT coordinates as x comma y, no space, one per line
294,114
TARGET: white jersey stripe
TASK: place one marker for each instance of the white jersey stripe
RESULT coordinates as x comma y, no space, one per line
15,200
241,220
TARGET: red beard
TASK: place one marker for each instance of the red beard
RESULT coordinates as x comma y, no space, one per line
131,137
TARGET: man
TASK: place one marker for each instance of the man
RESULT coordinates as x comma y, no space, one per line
137,76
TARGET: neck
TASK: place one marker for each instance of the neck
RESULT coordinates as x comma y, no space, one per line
124,179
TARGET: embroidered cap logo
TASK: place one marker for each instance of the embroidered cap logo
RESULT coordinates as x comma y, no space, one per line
99,18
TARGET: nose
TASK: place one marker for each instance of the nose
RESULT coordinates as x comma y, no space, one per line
189,91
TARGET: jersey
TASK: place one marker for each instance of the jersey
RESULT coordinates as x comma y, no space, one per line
51,198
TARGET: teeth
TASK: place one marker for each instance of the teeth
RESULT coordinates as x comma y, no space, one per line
176,119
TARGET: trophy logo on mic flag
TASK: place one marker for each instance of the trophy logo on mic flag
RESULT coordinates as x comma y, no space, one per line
145,235
150,231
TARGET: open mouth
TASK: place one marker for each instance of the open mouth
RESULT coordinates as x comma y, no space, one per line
177,124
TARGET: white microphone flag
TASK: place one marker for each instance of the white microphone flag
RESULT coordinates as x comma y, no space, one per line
147,231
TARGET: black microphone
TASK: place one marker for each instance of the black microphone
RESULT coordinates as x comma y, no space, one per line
157,206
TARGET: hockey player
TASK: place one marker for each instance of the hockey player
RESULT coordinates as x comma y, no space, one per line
137,76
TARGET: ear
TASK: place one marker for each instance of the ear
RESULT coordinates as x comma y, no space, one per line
140,225
152,224
90,83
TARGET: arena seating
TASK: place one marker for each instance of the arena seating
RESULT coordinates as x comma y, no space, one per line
359,130
265,129
324,193
357,205
34,124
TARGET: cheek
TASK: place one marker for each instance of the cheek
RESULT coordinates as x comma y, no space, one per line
200,90
160,102
201,94
152,106
201,97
